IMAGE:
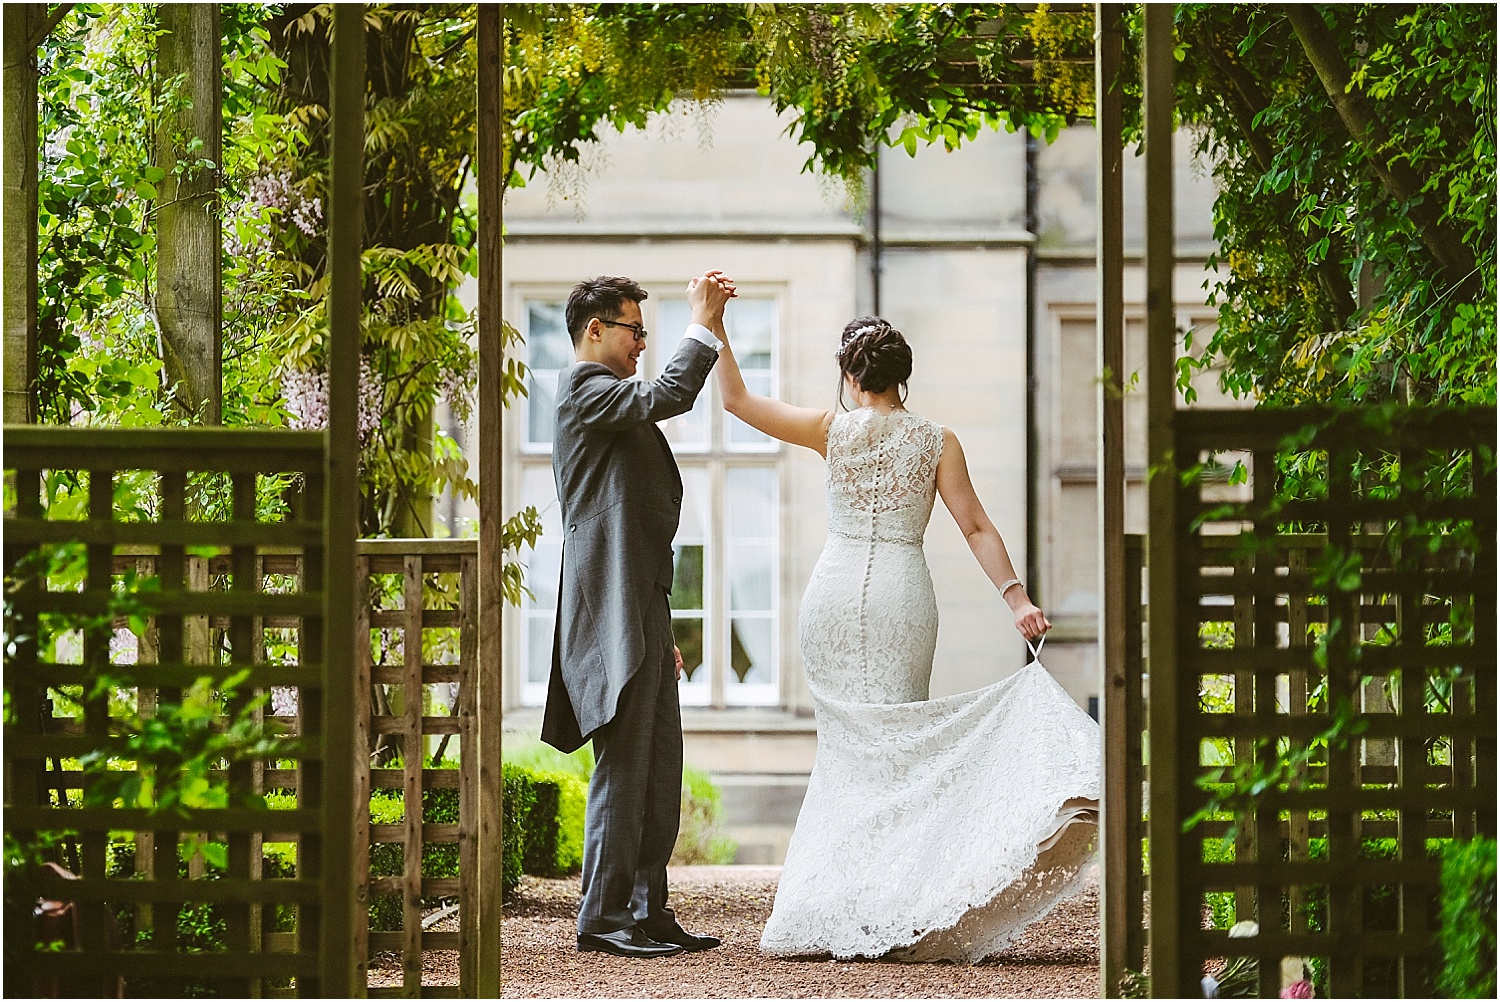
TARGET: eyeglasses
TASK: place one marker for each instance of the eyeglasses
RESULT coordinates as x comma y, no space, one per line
637,330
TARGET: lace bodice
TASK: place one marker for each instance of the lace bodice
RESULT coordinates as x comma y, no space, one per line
882,475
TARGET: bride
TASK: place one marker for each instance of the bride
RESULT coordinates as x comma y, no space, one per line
931,829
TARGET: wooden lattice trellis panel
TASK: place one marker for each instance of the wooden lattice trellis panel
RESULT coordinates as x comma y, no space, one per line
1395,594
438,592
207,608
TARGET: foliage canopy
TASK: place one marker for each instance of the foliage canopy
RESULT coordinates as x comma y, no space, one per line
1355,218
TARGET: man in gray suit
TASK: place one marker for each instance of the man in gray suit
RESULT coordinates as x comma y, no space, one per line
614,665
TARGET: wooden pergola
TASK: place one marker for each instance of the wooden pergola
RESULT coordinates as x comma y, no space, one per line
337,876
330,888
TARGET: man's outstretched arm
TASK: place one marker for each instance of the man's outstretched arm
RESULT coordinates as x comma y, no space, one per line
605,402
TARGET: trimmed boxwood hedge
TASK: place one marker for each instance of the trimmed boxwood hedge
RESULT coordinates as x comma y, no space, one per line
551,819
553,844
519,794
1468,920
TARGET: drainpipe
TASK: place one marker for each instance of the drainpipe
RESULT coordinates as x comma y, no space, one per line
875,245
1033,580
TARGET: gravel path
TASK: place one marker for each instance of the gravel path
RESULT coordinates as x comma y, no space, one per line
1056,958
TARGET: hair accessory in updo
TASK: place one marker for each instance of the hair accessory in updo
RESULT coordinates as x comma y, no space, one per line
874,354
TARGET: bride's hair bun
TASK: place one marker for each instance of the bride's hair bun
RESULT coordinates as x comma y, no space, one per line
875,354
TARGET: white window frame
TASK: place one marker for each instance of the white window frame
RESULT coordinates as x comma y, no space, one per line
715,458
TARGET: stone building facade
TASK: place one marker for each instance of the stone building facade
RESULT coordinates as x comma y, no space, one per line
983,257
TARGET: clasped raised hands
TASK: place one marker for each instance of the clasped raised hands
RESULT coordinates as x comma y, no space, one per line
707,294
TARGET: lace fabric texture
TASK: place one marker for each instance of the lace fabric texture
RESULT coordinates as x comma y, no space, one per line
932,829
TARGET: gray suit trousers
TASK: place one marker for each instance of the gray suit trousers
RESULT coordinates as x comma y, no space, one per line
635,796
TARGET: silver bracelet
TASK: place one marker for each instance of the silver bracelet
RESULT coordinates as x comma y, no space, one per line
1009,585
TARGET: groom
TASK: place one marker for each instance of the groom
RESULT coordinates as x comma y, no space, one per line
614,665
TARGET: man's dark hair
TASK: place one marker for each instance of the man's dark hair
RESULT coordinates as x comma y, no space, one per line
601,297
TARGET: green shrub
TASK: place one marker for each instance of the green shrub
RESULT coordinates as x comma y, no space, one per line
1468,920
700,838
388,859
517,797
440,807
554,825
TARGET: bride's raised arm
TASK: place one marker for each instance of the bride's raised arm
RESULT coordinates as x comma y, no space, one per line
963,504
805,426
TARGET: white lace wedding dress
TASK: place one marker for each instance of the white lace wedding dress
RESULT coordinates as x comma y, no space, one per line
932,829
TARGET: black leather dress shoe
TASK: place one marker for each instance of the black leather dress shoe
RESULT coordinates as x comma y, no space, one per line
631,942
676,935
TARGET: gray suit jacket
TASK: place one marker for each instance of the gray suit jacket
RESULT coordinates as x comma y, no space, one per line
621,497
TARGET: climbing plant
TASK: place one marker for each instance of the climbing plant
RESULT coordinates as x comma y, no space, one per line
1356,162
1354,148
100,360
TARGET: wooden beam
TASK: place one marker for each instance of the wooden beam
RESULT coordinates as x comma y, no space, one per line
341,499
491,185
1170,967
22,21
1109,116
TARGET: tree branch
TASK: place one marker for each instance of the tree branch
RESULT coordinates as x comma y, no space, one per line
44,28
1397,175
1246,101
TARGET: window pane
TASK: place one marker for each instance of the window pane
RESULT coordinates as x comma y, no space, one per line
687,577
750,568
690,547
751,652
752,511
538,649
542,566
547,343
687,633
548,352
753,504
692,527
541,406
751,325
543,570
752,514
690,430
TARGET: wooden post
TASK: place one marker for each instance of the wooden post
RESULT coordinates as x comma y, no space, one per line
1298,833
20,167
1345,901
242,919
96,707
491,519
470,933
341,507
1411,758
1133,881
23,770
413,759
362,709
1245,638
1172,974
147,653
1110,255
